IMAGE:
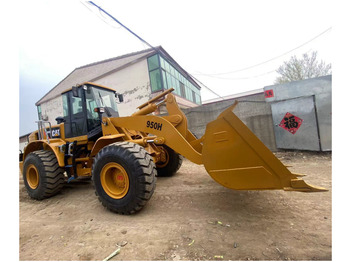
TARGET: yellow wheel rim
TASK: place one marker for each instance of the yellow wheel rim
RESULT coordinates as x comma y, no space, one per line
32,176
162,164
114,180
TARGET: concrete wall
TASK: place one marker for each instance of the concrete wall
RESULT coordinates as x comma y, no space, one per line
252,110
320,88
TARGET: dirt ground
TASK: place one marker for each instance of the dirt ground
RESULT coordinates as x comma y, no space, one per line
190,217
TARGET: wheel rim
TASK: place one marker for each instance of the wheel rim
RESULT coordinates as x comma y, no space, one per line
114,180
32,176
161,164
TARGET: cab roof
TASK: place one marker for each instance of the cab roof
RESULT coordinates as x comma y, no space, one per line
92,84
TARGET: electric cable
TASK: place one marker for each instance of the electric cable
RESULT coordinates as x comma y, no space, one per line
269,60
145,42
101,17
116,20
241,78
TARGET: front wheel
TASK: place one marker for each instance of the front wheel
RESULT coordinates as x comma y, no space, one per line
124,176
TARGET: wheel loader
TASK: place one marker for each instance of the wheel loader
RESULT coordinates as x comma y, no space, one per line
124,155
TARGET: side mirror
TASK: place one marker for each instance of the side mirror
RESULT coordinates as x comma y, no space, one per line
60,120
120,97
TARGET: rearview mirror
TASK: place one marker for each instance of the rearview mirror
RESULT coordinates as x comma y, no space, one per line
120,97
60,120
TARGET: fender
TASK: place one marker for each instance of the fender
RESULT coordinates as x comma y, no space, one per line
104,141
44,145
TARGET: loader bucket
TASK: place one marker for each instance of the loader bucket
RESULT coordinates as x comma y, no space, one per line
235,158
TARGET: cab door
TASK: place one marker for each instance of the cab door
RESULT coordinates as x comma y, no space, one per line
74,114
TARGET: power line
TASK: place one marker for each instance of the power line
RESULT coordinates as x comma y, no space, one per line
206,87
101,17
114,19
241,78
105,20
245,78
145,42
259,64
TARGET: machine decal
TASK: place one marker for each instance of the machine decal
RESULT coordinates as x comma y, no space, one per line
55,133
154,125
291,123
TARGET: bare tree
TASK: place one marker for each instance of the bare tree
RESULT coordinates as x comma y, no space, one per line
304,68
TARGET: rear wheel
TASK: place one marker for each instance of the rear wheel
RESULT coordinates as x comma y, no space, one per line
171,163
124,177
42,175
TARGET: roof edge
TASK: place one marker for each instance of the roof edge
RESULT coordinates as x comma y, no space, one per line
158,49
40,100
96,63
165,53
118,57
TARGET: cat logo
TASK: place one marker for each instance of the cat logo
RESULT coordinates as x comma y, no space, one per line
55,133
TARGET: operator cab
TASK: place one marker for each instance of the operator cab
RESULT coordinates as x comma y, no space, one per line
82,109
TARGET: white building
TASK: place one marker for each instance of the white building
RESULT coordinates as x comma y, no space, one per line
138,76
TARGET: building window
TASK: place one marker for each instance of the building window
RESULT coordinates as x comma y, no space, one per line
154,73
156,82
65,105
182,90
164,76
153,62
39,112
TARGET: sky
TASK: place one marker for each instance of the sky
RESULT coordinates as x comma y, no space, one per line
230,46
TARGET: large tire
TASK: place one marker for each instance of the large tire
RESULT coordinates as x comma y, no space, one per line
171,165
124,177
42,175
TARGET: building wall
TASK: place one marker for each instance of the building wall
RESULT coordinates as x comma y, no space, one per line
136,89
23,141
252,110
52,109
133,82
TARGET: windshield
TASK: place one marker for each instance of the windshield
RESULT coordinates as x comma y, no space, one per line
98,97
104,98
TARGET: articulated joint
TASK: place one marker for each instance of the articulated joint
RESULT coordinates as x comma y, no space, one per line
156,140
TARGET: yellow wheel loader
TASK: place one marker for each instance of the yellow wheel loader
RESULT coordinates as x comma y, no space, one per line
124,155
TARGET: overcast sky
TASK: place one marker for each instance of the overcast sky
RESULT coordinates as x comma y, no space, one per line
212,40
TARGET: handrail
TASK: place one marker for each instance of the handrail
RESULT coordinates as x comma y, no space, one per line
42,130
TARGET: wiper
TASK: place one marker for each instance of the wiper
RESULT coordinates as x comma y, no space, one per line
106,108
